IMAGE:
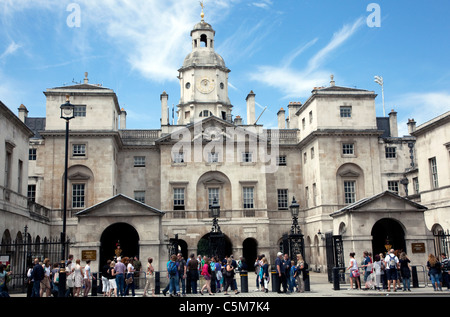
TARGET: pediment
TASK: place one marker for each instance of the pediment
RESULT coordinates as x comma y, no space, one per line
78,176
211,129
386,201
349,173
120,206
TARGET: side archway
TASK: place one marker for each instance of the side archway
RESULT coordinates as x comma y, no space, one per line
387,234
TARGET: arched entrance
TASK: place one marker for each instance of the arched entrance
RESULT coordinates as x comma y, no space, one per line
121,233
203,246
250,252
387,234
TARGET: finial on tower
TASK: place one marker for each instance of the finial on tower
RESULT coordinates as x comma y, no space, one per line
203,6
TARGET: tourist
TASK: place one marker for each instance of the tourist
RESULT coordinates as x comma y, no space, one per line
192,269
106,287
112,279
130,278
405,271
434,271
391,262
3,280
206,272
354,271
78,278
298,273
120,270
444,267
229,277
87,278
149,278
181,263
265,275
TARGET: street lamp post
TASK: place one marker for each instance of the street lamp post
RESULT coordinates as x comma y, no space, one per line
296,242
216,237
67,113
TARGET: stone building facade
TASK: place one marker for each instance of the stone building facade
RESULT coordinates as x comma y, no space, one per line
141,188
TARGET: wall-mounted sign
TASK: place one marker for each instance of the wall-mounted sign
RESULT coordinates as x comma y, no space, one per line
88,255
418,247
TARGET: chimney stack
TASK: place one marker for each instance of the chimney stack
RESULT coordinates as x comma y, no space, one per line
23,113
164,110
411,126
393,123
292,110
238,120
281,119
123,119
251,108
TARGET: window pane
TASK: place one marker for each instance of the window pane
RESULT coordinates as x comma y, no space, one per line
78,196
248,198
349,192
178,198
347,148
213,193
282,199
393,186
346,112
139,161
79,150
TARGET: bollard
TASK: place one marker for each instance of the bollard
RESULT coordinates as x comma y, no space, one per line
306,280
213,282
244,282
62,280
94,284
336,285
415,280
275,279
157,283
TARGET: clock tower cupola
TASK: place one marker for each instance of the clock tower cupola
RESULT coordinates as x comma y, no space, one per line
203,79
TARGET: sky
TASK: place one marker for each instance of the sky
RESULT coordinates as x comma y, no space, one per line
279,49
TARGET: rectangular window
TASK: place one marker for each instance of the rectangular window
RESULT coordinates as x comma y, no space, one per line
393,186
79,111
416,185
178,199
303,123
213,157
307,197
213,193
79,150
139,161
349,192
139,195
434,173
281,160
348,149
248,198
390,152
178,157
310,117
312,153
31,194
78,195
32,154
282,199
247,157
346,112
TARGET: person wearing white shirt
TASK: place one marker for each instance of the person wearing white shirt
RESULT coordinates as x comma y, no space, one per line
391,261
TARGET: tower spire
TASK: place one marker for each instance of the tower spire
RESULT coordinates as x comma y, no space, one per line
203,6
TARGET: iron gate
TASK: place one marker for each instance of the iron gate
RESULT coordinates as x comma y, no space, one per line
335,255
441,243
19,255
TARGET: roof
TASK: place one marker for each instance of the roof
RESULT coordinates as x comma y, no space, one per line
365,201
115,198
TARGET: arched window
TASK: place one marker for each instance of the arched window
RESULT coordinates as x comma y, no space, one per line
203,40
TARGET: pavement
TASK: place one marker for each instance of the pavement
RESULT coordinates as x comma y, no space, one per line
319,287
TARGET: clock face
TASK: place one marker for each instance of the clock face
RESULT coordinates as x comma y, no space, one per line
205,85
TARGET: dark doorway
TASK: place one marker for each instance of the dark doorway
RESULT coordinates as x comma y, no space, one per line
250,252
387,234
121,233
203,246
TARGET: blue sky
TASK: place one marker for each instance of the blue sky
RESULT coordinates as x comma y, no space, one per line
280,49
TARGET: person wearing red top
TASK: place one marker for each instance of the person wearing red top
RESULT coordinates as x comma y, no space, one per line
206,272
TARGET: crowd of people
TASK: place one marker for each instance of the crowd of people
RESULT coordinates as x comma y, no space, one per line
202,274
392,271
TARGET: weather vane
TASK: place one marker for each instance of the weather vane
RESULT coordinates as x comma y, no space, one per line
203,6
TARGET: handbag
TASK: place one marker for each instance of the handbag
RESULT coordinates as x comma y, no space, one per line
129,280
355,273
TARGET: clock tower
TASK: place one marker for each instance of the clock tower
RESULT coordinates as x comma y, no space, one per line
203,80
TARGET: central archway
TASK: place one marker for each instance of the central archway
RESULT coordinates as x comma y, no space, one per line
387,232
203,246
122,233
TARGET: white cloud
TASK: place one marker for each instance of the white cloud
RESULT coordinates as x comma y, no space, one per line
421,107
299,83
11,49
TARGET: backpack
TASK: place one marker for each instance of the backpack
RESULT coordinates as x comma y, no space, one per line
392,264
172,268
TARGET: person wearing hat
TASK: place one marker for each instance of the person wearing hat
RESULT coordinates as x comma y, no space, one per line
279,264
